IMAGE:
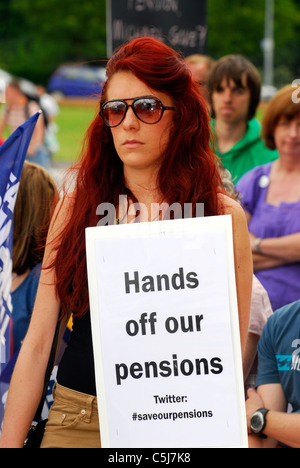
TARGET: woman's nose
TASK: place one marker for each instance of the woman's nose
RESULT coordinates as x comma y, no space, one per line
130,120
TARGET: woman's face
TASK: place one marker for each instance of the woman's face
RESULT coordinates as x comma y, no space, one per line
287,135
139,145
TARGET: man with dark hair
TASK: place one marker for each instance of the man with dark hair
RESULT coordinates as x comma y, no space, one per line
273,411
234,90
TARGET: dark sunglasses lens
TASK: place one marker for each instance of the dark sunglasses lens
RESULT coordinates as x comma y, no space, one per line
148,110
113,112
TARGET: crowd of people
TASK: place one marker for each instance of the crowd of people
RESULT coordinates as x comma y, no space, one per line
181,131
263,171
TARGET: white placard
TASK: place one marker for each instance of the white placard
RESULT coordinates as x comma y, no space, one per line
165,334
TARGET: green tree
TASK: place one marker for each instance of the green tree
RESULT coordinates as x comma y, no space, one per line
237,26
43,34
37,36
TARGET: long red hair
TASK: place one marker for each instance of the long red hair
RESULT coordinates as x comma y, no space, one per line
188,173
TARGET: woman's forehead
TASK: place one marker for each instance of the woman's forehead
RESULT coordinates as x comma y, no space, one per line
126,85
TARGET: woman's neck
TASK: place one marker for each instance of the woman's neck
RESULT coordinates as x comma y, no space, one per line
287,164
143,185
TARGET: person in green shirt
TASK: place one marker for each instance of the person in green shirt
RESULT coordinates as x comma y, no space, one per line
234,90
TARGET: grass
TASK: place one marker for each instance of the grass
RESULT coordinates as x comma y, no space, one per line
72,122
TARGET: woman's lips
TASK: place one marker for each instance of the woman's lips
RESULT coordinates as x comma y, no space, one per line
132,143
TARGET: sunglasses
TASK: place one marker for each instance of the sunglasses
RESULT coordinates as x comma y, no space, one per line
148,109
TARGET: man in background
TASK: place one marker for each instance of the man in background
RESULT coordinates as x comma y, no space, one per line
273,411
234,87
200,67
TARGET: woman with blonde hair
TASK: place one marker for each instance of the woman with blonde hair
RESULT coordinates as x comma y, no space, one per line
36,201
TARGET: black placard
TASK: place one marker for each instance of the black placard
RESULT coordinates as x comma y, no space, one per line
179,23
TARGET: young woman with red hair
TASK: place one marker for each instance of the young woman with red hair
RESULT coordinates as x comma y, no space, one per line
151,142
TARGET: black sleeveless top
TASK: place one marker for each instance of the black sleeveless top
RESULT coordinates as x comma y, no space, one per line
76,369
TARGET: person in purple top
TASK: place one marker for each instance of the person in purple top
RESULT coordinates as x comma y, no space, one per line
270,195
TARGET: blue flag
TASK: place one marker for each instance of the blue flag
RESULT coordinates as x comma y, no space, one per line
12,156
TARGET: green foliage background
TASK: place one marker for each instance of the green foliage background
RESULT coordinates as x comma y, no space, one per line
37,35
237,26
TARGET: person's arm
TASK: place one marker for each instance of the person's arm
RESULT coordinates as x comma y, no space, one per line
284,427
285,248
272,252
264,262
39,130
250,353
280,425
243,264
28,378
276,251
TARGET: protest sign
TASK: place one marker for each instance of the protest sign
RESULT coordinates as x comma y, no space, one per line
181,24
165,334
